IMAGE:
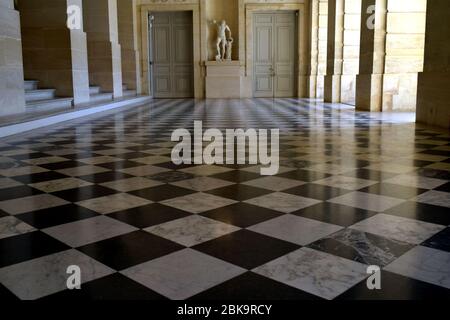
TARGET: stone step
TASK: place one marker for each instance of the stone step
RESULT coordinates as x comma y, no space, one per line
94,90
100,97
51,103
31,85
40,94
129,93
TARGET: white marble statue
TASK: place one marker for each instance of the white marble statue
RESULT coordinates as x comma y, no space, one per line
223,41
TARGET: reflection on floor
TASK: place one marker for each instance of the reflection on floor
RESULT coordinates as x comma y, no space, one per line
353,190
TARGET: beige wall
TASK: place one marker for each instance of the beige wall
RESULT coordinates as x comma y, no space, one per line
53,54
433,103
12,99
335,51
405,40
104,52
319,34
351,50
127,21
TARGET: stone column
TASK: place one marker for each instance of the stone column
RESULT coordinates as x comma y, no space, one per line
104,53
128,39
12,95
334,51
314,14
352,34
53,54
79,56
369,81
433,102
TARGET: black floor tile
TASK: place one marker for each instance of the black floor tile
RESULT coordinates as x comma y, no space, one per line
162,193
353,163
115,287
317,191
62,165
27,247
81,155
394,191
251,286
436,152
118,165
171,176
84,193
368,174
246,249
6,295
129,250
440,241
362,247
433,173
17,192
172,166
40,177
28,156
131,155
149,215
335,214
106,177
304,175
3,214
444,188
239,192
241,214
47,218
422,211
237,176
397,287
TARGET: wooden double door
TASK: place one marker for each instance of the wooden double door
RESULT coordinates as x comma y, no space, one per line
171,54
275,54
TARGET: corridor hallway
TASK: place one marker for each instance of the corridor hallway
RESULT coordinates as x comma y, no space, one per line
354,190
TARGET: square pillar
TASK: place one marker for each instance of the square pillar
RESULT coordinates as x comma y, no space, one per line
12,94
369,81
104,52
433,101
332,91
128,39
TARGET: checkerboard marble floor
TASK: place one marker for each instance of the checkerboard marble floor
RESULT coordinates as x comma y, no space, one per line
353,190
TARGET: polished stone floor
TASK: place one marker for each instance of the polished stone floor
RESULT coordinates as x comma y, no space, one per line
353,190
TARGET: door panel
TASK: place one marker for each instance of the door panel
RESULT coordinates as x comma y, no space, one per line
263,46
285,55
274,55
172,55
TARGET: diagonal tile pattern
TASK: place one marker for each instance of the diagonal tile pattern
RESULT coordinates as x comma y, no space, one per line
352,190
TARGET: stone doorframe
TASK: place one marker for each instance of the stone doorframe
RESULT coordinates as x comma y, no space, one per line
246,10
199,46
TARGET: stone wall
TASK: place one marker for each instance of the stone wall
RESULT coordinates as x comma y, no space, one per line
433,102
12,97
53,54
405,40
127,17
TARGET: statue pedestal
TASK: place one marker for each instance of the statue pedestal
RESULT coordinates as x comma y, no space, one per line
223,79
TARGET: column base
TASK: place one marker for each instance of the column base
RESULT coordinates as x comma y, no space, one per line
369,92
433,98
332,90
